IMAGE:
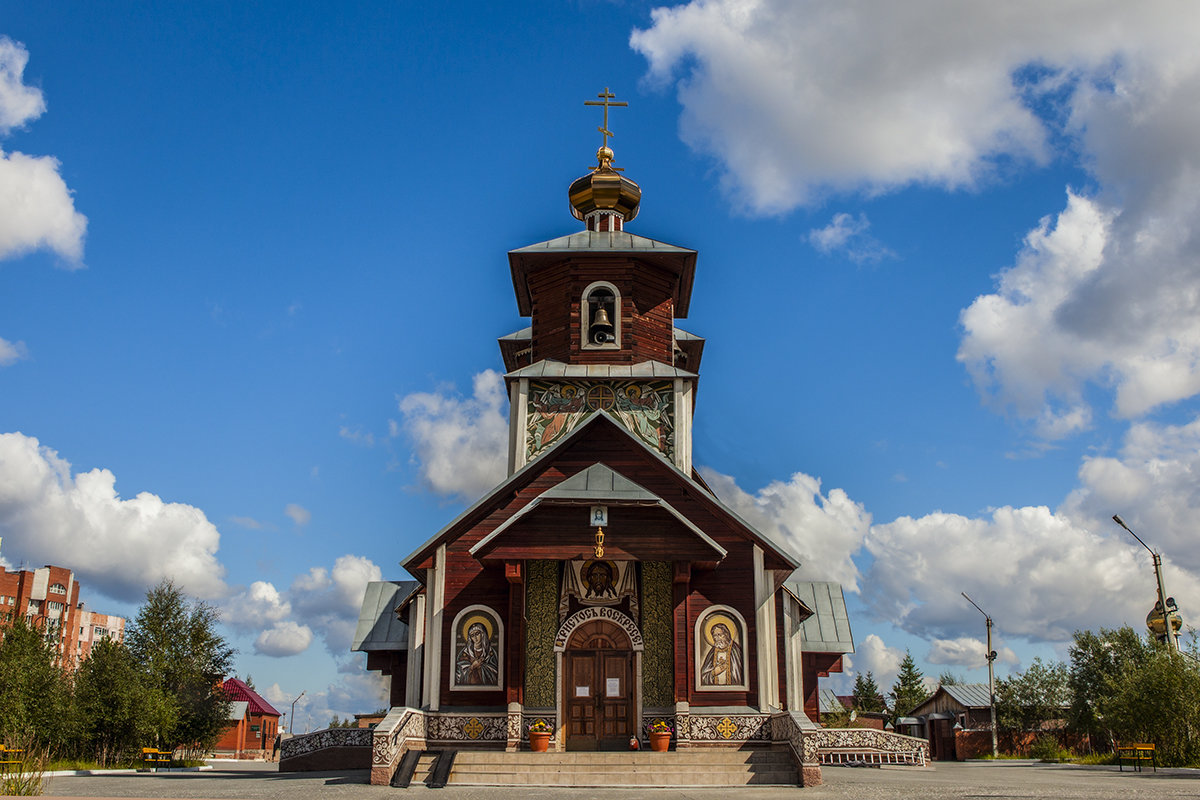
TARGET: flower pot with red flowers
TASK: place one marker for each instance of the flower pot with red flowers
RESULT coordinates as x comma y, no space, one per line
539,736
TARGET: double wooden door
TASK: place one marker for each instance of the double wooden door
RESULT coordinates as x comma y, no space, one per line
599,699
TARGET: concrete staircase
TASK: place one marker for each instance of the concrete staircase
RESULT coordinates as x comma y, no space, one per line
698,767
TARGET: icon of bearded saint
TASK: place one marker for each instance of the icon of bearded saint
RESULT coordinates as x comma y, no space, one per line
477,663
723,663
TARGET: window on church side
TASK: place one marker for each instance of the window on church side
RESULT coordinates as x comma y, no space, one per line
600,317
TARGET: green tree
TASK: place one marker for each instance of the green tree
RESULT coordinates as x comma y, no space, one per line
1098,662
950,679
175,643
1026,701
34,689
867,696
908,691
116,711
1158,701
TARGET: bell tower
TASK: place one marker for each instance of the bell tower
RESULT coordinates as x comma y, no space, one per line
602,304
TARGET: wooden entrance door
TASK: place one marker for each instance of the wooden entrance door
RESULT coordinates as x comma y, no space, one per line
599,696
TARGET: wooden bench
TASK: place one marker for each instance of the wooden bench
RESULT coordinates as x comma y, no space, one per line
153,758
9,759
1136,752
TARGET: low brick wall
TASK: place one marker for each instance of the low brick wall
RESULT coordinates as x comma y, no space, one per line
978,743
329,750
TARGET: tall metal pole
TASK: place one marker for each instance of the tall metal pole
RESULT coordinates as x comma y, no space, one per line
1158,577
991,657
292,716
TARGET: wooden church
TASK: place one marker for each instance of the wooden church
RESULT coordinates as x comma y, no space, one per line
602,586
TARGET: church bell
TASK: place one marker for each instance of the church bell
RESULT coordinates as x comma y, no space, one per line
602,327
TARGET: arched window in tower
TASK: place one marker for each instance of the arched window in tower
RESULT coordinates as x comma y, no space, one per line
600,317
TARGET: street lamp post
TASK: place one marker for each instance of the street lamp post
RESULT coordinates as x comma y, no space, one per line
991,658
292,715
1172,637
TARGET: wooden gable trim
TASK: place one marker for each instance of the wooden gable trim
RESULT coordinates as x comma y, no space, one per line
509,490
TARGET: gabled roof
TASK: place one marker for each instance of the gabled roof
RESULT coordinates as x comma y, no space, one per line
598,484
543,461
967,695
828,629
971,695
237,691
679,260
379,627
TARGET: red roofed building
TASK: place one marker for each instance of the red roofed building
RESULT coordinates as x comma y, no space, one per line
253,723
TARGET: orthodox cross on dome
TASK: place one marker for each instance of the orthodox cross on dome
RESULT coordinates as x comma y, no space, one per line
607,99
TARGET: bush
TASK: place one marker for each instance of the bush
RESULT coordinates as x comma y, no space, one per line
1047,748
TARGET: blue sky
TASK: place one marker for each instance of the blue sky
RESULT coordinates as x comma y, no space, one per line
252,271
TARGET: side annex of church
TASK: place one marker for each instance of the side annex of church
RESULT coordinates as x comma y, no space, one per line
602,586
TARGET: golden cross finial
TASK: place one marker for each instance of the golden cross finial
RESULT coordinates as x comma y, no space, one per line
606,100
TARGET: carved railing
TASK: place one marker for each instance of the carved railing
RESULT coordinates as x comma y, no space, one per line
320,740
865,746
400,730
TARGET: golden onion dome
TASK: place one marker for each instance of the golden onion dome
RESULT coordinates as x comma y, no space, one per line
605,189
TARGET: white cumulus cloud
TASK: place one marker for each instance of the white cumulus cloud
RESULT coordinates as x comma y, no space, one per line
36,207
329,600
966,651
872,655
119,546
282,639
824,530
255,607
800,99
460,443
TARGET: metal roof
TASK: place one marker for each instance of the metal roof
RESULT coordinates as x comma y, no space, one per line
679,260
971,695
549,368
599,483
237,690
526,333
378,626
237,710
828,629
829,702
519,336
605,241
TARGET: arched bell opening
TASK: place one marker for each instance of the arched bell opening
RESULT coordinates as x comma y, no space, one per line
600,317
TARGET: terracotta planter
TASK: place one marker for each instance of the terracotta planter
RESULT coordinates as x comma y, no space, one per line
539,741
660,742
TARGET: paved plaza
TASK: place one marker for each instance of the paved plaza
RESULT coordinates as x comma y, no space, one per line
945,780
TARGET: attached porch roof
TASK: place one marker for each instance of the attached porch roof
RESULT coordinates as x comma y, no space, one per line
542,462
599,485
828,629
379,626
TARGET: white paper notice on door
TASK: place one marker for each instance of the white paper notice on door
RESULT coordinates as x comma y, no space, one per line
612,687
583,691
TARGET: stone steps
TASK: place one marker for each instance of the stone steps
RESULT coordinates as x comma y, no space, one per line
751,767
